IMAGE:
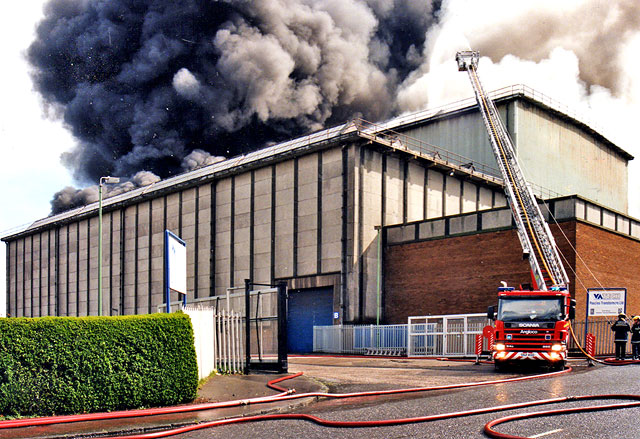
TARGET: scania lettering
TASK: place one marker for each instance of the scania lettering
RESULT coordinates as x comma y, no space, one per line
547,306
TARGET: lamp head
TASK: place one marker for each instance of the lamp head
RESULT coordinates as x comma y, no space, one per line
109,180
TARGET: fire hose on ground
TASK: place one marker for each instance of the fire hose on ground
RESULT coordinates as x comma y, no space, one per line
286,394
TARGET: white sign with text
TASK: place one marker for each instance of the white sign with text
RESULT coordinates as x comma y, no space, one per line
606,301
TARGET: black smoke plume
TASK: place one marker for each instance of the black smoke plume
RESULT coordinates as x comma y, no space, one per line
141,84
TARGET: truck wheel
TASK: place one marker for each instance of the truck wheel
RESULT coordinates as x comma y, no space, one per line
557,367
499,365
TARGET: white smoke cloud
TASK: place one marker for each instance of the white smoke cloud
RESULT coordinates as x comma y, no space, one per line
557,76
144,178
199,158
582,53
304,59
186,84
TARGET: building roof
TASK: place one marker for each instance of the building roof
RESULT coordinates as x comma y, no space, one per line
347,130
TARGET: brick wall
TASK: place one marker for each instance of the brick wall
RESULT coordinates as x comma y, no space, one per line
613,259
457,275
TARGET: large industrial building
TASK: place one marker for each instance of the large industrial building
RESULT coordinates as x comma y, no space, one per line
362,221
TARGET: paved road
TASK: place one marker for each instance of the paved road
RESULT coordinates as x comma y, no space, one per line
583,381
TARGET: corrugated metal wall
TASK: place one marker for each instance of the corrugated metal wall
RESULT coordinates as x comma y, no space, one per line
282,221
464,133
558,155
554,153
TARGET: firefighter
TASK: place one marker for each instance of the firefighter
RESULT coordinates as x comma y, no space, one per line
635,338
620,329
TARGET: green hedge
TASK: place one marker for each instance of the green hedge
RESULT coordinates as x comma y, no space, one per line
64,365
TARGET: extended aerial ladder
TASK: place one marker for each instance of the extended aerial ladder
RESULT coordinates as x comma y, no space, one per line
536,238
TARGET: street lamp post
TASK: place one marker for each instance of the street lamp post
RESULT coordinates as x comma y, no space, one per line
103,181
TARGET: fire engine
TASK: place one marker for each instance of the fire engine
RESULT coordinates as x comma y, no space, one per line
530,324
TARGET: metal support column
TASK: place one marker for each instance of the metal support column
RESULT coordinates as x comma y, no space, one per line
247,325
282,327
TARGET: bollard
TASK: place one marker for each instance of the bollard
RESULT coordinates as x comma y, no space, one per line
478,347
489,332
590,347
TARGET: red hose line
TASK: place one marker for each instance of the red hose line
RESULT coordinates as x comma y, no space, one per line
421,389
403,421
335,424
285,395
320,421
31,422
464,360
489,431
615,362
272,384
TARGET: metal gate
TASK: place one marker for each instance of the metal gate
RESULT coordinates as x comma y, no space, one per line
444,335
266,327
218,339
241,331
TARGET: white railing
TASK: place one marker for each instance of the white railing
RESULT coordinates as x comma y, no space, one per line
218,339
229,345
264,301
444,335
361,339
516,89
432,336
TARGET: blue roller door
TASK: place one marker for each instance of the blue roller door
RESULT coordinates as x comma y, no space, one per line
306,309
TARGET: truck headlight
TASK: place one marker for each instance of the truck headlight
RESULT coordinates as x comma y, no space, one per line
557,347
499,347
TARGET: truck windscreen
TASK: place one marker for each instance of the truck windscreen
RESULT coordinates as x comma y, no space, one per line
511,309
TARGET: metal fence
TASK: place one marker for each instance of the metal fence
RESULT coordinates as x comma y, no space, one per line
233,300
220,331
444,335
361,339
599,327
218,339
452,335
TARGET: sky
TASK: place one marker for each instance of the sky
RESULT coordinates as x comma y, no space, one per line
582,53
27,183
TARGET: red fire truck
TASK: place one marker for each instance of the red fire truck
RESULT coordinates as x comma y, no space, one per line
529,324
532,325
